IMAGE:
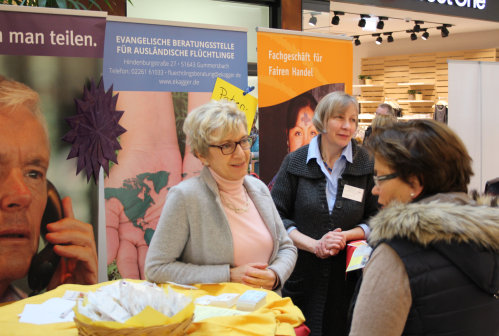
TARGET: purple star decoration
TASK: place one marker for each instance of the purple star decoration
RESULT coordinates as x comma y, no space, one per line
94,130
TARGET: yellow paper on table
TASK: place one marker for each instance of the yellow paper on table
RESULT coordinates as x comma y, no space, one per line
279,316
150,317
245,102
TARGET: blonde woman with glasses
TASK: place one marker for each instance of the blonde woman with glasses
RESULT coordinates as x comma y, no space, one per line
221,226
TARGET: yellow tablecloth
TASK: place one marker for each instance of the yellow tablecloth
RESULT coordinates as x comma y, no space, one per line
279,316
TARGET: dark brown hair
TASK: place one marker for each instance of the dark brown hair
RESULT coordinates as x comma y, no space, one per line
427,149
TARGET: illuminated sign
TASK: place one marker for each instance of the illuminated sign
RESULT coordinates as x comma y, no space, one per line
470,9
478,4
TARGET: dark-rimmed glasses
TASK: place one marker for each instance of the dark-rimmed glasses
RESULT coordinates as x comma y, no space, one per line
229,147
378,179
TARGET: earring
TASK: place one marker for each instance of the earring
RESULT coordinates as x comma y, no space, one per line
412,195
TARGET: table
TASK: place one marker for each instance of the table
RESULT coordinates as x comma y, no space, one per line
279,316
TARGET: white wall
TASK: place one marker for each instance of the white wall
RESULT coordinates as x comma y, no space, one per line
205,11
473,89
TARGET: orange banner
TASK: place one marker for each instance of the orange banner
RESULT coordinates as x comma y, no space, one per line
295,70
291,64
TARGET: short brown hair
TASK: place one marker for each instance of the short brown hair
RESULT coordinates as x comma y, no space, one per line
388,107
427,149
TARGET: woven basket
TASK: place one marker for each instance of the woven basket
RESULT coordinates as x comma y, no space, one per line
176,329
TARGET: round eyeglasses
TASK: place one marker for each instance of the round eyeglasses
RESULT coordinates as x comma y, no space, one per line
229,147
378,179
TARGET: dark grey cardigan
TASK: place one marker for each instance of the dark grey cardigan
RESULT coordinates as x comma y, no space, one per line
318,286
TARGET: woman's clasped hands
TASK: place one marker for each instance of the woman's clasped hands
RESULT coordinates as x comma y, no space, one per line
330,244
254,275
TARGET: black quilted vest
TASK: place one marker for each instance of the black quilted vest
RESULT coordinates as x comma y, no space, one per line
445,300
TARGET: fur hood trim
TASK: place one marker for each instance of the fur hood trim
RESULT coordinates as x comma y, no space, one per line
427,223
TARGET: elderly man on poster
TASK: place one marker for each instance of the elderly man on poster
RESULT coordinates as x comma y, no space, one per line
24,160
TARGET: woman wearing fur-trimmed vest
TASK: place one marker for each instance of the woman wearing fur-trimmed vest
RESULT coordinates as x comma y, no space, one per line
435,266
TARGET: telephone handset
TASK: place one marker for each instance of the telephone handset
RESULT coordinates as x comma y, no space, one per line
44,264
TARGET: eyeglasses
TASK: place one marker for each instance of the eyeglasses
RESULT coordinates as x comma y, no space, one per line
378,179
229,147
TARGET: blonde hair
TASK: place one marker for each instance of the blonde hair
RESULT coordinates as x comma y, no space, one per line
210,123
382,121
331,105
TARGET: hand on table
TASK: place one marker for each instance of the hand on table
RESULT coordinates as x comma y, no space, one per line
255,275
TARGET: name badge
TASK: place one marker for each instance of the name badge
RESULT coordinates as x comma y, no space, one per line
353,193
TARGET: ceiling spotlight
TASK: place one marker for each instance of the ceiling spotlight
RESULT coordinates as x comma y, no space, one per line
379,40
336,19
362,21
389,39
443,29
425,35
413,34
381,23
356,41
417,26
313,20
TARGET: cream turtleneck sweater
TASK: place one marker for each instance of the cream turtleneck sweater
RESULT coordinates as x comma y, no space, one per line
251,237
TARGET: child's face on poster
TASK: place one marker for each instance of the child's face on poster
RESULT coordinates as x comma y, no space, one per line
303,131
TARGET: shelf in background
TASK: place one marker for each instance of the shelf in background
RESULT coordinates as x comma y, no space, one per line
366,85
414,84
369,102
414,101
366,116
416,116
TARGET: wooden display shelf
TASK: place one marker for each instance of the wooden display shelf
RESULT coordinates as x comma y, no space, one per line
414,101
425,72
415,84
367,85
416,116
369,102
366,116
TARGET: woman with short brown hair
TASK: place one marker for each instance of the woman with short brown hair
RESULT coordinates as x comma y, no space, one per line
435,265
